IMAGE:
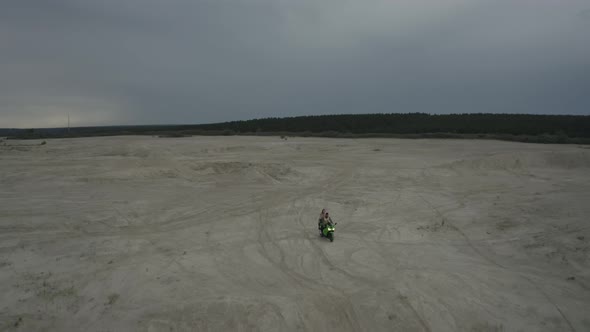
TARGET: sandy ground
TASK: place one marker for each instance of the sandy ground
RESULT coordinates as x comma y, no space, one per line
219,233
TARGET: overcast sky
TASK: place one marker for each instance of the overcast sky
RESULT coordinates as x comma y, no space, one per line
181,61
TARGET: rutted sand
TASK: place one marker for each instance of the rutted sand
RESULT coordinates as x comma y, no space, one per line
219,233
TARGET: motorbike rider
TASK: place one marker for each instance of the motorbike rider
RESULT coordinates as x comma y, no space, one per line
321,218
325,220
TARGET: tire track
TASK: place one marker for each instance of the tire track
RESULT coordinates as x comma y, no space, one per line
494,263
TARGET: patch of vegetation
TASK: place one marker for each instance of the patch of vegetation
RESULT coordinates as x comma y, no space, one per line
556,129
173,135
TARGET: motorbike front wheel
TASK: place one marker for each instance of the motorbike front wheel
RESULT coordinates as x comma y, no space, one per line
331,236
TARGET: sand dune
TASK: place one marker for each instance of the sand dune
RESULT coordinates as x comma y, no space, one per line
219,233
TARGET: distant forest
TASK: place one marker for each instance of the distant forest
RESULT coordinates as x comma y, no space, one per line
518,127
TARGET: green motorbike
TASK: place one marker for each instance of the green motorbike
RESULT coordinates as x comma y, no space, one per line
328,231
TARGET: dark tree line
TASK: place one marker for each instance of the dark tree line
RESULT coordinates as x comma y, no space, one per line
416,123
521,127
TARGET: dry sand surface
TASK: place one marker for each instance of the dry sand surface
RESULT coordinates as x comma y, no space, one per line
220,233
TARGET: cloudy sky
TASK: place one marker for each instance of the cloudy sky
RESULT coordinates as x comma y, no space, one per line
196,61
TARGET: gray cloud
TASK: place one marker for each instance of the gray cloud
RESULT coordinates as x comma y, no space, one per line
181,61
